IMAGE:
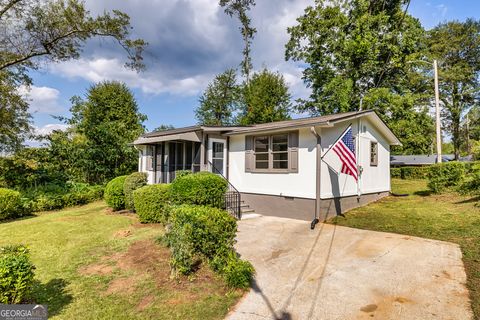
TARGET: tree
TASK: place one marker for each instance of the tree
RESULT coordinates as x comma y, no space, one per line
14,117
164,127
34,32
456,45
265,99
102,127
240,8
360,52
219,100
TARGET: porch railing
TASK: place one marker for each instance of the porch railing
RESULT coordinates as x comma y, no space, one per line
233,199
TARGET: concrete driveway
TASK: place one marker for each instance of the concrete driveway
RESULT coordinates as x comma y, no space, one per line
336,272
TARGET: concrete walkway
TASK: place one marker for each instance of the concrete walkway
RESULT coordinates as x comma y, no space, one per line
336,272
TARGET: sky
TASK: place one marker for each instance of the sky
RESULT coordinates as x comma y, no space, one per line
189,42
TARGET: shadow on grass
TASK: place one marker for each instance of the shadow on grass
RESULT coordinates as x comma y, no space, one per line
423,193
471,200
23,217
53,294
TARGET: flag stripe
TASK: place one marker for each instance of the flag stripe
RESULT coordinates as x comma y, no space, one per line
345,149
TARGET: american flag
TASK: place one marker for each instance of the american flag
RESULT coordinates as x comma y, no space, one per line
345,149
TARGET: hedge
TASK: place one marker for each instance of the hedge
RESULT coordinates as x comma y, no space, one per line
114,195
204,233
203,188
16,274
444,175
10,204
471,183
409,172
132,182
152,203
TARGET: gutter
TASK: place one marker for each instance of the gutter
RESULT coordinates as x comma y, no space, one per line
317,177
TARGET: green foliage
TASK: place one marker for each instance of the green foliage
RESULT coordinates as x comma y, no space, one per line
10,204
471,184
16,274
456,46
203,188
28,168
104,124
132,182
152,203
238,273
364,49
182,173
239,8
219,100
409,172
199,230
265,99
444,175
52,196
52,30
114,195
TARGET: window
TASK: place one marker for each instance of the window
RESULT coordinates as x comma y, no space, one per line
271,152
373,154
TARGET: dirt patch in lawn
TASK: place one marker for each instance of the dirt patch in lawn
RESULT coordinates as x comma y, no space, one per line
123,233
146,260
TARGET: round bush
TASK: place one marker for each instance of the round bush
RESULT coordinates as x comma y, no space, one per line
203,188
152,203
444,175
238,273
114,195
133,182
16,274
10,204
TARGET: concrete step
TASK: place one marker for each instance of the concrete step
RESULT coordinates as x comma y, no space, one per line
247,210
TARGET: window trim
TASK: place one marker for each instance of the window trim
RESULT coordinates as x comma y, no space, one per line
374,153
270,154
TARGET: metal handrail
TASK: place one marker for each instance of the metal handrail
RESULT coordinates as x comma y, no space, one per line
232,203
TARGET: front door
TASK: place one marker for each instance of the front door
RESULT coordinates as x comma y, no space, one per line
217,151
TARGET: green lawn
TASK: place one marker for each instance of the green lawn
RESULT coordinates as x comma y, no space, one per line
92,264
448,217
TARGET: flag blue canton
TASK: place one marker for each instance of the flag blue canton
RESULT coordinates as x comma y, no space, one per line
348,140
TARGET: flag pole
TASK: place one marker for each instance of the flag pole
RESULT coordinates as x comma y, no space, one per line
333,144
357,154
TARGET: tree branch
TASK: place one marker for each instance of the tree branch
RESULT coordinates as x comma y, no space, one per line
8,6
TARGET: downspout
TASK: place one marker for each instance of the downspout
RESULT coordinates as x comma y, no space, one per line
317,177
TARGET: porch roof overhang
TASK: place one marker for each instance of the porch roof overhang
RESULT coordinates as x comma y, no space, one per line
195,136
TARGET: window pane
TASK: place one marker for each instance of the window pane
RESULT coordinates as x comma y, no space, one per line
280,156
280,164
280,142
217,166
261,156
217,149
261,144
261,164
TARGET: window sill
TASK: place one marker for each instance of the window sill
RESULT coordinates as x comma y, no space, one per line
271,171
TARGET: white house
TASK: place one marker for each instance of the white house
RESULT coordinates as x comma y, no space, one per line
284,168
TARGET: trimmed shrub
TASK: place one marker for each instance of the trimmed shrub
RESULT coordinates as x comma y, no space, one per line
203,188
471,184
10,204
445,175
16,274
414,172
237,273
395,172
132,182
182,173
114,195
152,203
199,230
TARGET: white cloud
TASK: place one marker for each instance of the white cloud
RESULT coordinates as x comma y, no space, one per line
443,9
101,69
49,128
42,99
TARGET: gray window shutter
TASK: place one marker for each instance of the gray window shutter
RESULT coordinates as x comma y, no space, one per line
293,151
149,158
249,156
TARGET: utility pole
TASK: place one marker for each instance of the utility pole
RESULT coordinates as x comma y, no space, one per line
437,113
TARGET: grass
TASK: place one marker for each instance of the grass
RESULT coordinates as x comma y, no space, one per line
448,217
92,264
